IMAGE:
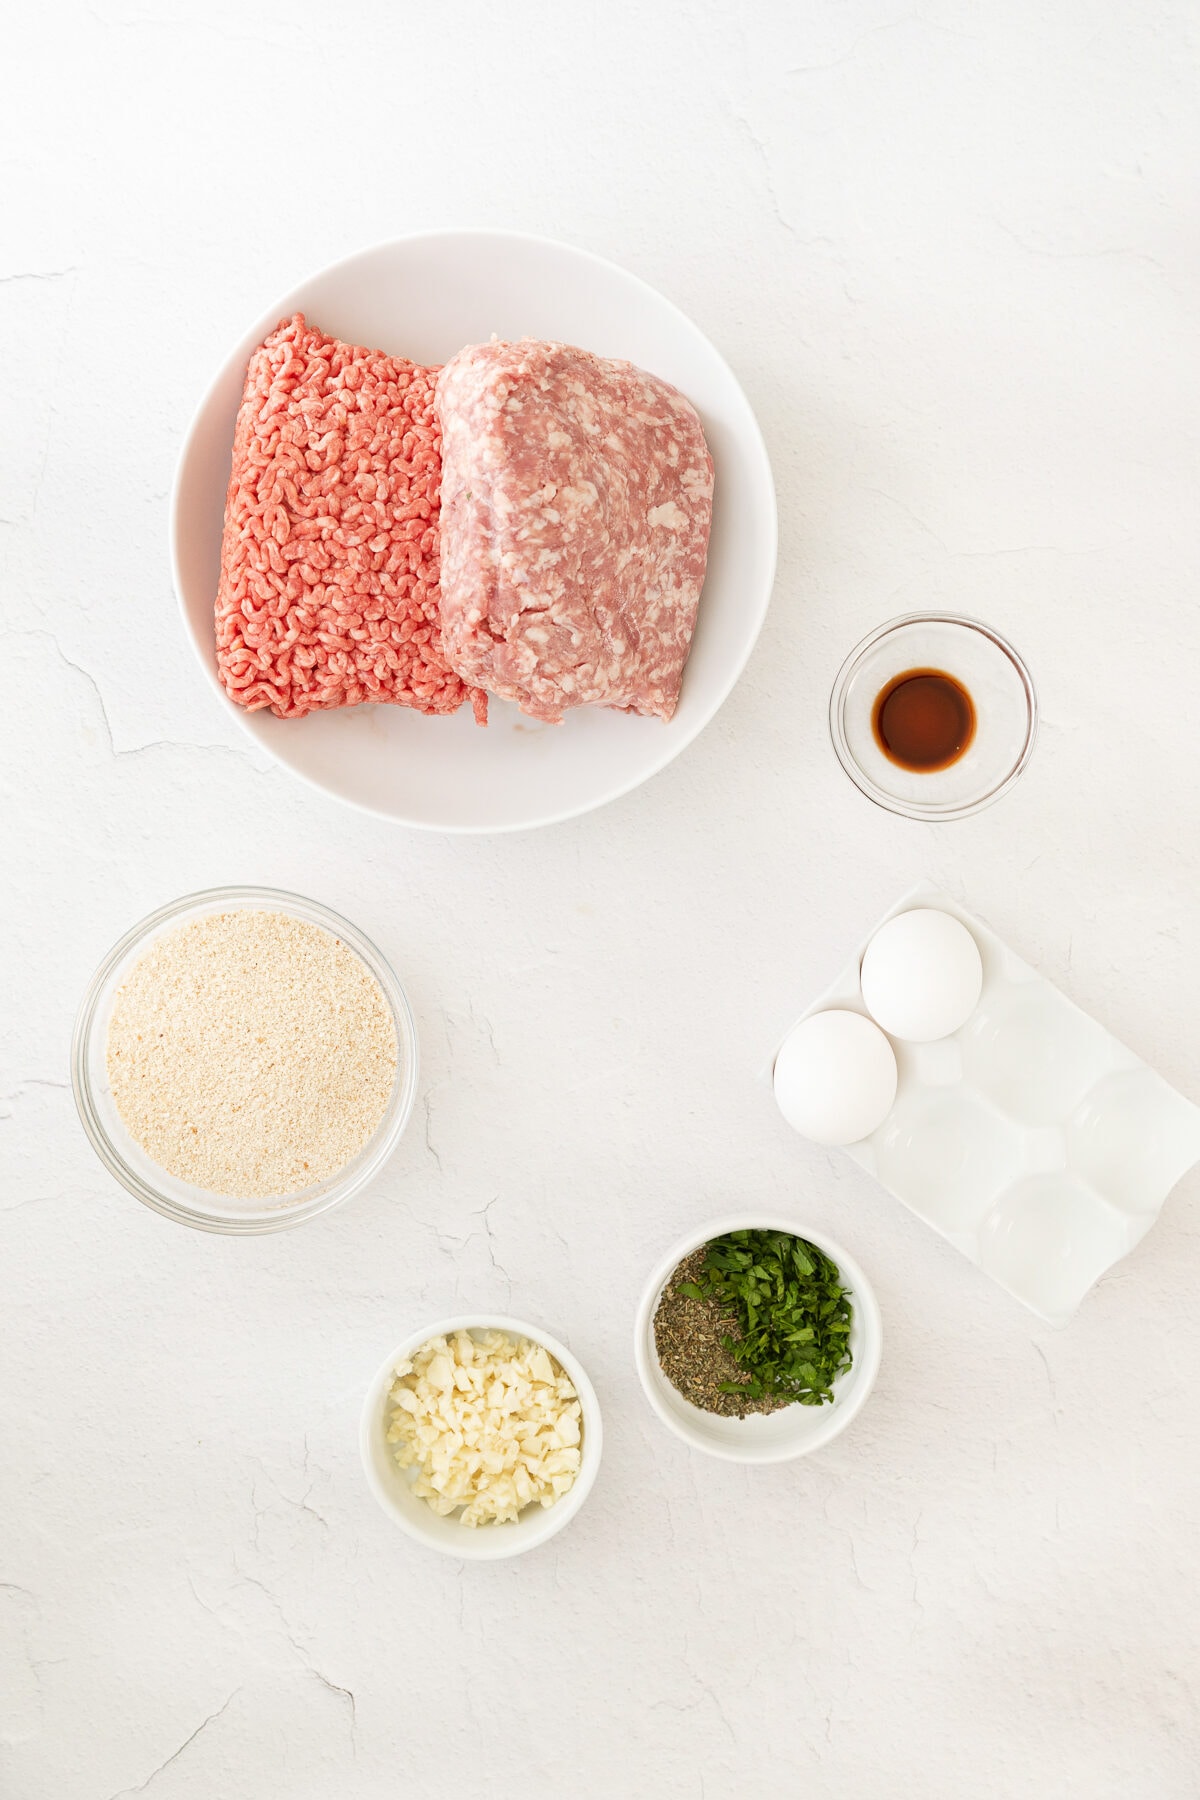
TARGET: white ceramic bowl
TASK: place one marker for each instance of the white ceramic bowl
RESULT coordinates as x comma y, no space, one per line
392,1485
425,297
763,1437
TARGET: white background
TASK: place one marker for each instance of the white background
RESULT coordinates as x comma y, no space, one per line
953,257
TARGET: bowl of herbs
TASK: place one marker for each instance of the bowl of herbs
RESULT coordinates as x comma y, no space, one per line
757,1340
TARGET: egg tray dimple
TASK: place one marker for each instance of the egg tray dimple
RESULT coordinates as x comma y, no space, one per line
1031,1138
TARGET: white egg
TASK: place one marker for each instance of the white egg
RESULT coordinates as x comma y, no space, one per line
922,975
835,1077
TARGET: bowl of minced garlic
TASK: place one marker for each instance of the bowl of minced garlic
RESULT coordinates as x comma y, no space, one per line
481,1437
243,1060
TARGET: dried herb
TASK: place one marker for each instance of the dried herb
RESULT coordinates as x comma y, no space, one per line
791,1315
690,1335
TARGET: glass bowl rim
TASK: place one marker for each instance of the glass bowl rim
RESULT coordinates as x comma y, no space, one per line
388,1135
912,809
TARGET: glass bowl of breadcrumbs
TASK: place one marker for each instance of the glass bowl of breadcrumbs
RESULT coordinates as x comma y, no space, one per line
243,1060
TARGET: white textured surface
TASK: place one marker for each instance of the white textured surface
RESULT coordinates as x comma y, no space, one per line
952,255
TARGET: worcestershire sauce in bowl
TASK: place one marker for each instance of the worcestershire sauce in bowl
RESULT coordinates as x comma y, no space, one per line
923,720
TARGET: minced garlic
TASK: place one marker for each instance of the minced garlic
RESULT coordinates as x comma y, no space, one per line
491,1423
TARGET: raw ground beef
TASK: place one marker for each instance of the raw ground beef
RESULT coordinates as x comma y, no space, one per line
576,503
328,593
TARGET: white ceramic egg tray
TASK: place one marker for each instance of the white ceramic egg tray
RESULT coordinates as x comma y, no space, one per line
1030,1138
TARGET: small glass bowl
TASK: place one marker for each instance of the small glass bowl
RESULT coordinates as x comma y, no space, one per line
156,1186
999,684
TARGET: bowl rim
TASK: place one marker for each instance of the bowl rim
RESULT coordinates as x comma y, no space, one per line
755,442
251,1223
488,1543
915,809
863,1374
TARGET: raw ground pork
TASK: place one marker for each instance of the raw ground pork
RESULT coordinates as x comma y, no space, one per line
328,594
576,503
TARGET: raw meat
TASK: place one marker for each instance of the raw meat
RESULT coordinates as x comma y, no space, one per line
328,592
576,503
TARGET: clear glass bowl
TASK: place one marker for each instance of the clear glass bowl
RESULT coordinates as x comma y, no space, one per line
155,1186
999,684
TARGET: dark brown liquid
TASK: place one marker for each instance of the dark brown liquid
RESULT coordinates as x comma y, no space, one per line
924,720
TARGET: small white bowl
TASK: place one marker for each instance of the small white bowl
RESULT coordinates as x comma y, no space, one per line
763,1437
392,1486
